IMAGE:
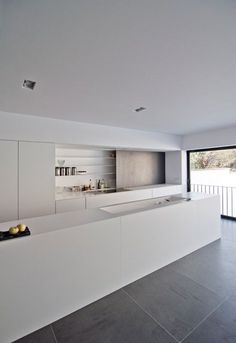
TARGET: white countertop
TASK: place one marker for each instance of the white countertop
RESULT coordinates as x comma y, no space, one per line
58,221
152,186
45,224
81,195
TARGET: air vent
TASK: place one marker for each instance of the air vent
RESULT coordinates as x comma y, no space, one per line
29,84
140,109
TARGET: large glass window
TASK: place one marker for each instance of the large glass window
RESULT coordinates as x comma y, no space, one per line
214,172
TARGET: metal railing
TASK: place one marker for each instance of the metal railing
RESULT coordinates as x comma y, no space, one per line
227,196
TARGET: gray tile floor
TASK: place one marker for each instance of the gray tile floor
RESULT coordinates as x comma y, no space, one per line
193,300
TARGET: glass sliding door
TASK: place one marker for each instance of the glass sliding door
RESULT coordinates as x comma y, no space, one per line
213,171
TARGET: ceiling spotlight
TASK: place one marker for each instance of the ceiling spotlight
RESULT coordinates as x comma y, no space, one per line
29,84
140,109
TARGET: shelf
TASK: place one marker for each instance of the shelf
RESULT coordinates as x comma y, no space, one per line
80,157
99,190
97,164
85,174
86,165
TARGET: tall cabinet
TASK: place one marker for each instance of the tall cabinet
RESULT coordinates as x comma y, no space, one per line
36,179
8,180
27,180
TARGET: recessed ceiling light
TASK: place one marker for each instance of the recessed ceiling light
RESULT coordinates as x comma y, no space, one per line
29,84
140,109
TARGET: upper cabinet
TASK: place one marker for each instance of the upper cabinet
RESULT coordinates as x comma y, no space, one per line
8,180
36,179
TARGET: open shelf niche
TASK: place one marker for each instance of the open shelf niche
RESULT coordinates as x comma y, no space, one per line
90,163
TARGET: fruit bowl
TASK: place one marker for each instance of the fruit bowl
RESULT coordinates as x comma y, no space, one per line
5,235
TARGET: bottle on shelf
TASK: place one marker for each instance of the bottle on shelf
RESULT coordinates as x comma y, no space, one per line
73,171
102,184
57,171
62,171
67,171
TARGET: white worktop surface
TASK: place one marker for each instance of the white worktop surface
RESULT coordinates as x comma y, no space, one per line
152,186
80,195
59,221
49,223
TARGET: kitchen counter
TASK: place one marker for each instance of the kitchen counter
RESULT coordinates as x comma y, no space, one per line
76,195
73,259
73,201
60,221
69,195
152,186
53,222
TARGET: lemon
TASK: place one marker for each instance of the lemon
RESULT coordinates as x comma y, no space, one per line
21,227
13,230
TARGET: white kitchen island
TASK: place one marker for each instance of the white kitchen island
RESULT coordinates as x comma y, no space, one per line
74,258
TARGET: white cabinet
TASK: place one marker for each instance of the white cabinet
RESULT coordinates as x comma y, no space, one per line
155,238
99,200
68,205
36,179
8,180
65,270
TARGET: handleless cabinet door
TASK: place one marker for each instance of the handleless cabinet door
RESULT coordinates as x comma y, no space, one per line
69,205
36,179
8,180
100,200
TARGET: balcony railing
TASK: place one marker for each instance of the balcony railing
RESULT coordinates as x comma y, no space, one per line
227,196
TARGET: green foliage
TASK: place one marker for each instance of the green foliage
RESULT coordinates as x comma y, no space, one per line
213,159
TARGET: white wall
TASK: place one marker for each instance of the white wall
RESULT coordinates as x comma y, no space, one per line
135,168
210,139
176,168
30,128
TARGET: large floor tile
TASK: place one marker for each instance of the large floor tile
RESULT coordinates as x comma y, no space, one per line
224,249
44,335
113,319
210,267
232,298
174,300
218,328
228,229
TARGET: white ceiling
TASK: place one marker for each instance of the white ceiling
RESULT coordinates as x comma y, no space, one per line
96,60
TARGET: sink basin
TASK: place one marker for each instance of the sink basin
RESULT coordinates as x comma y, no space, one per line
102,191
170,200
144,204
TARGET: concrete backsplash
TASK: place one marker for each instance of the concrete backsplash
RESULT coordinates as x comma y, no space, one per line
139,168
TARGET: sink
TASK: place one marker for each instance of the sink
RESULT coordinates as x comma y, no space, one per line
102,191
144,204
170,200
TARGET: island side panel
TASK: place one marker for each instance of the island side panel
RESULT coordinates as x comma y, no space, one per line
48,276
153,239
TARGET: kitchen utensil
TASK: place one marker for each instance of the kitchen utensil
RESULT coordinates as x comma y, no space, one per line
62,171
67,171
61,163
57,171
73,171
